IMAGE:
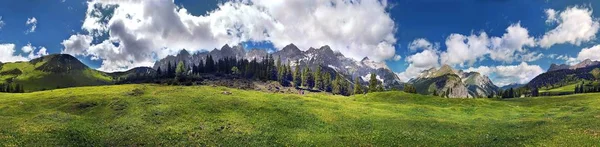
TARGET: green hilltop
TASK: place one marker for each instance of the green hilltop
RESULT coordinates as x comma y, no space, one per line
157,115
51,72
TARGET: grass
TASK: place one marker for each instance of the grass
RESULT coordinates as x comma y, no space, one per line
154,115
566,88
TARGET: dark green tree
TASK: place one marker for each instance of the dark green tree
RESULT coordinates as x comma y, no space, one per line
357,86
373,82
318,78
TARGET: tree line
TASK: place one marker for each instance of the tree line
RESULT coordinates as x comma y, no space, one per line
272,69
12,88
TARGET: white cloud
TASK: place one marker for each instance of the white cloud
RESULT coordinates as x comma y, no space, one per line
418,62
530,57
422,43
27,48
1,23
152,29
397,58
8,53
504,48
77,44
465,49
551,16
568,59
31,50
32,22
505,75
575,26
592,53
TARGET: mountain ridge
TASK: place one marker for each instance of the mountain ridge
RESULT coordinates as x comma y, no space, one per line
449,82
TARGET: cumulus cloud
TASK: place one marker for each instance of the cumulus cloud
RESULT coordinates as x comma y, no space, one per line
145,30
422,43
397,58
8,53
77,44
463,49
31,50
568,59
575,25
512,42
505,75
32,23
426,59
592,53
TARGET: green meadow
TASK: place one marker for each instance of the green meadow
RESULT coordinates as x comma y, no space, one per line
156,115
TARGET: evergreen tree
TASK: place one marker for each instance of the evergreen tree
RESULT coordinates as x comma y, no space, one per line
318,79
159,71
305,74
169,67
435,92
327,83
180,71
511,93
380,87
357,86
235,71
297,76
373,82
336,87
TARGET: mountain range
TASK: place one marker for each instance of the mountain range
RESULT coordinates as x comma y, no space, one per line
324,57
583,64
452,83
560,75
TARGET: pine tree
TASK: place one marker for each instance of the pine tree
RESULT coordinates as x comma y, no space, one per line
159,71
318,79
576,88
336,87
169,67
305,77
297,76
380,87
180,71
511,93
327,83
357,86
373,82
435,92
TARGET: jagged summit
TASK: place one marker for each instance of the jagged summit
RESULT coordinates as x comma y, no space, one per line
323,56
449,82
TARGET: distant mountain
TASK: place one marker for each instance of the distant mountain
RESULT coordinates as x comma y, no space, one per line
135,72
583,64
312,58
564,76
513,85
50,72
454,83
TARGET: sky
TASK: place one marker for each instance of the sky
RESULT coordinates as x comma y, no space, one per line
511,41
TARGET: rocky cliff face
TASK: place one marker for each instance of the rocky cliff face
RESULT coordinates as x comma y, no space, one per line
313,57
448,82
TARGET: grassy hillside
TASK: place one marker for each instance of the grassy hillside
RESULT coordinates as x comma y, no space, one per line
51,72
132,115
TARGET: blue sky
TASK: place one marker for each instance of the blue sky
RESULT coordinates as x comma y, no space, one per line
392,26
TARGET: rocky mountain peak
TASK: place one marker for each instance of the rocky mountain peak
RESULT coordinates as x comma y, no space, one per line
365,59
585,63
291,48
